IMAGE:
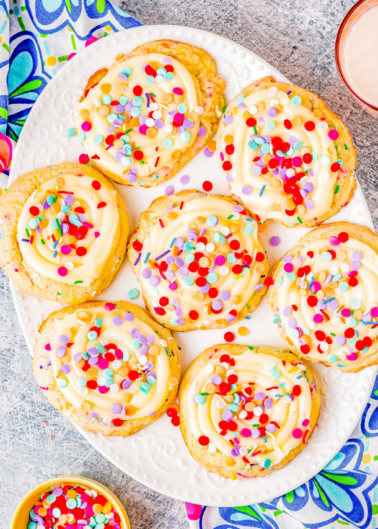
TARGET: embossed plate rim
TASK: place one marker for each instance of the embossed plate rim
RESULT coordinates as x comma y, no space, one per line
199,486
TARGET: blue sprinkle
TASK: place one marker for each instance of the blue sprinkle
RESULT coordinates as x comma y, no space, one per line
147,257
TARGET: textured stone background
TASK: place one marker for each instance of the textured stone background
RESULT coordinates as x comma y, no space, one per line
36,443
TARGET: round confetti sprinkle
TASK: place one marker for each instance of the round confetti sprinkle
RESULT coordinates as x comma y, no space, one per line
275,240
133,293
207,186
184,179
169,190
229,336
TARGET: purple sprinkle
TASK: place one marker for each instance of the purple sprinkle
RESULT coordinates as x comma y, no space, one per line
63,340
131,177
356,256
228,119
256,170
144,349
65,369
92,351
117,321
205,289
116,408
78,356
150,339
169,190
268,403
69,200
275,240
184,179
154,281
134,332
61,351
146,273
208,153
126,384
260,395
201,132
129,317
340,340
225,295
247,190
309,204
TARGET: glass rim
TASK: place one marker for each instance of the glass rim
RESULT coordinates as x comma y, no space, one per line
337,53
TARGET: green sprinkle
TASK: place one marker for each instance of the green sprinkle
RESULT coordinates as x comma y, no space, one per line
299,220
133,293
337,190
75,282
42,241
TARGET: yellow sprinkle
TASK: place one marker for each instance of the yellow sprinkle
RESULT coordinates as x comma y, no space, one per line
233,475
243,331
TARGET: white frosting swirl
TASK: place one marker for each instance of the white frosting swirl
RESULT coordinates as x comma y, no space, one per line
297,182
157,115
202,262
118,371
327,299
258,418
68,229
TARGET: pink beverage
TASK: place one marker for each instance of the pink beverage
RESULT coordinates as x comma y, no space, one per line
357,53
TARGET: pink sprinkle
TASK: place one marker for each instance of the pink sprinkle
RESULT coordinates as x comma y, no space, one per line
65,249
305,423
97,234
297,433
143,129
48,347
62,271
315,286
334,241
161,223
333,134
110,306
86,126
245,432
352,357
173,286
178,91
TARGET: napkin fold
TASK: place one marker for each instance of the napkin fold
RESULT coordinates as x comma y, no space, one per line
37,38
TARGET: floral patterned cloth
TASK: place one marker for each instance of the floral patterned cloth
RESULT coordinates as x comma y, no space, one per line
37,38
344,493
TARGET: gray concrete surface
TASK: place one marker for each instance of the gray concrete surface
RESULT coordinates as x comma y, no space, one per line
36,443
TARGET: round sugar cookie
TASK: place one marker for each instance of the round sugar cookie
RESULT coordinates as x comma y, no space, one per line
199,261
107,366
151,112
247,411
63,232
286,154
325,296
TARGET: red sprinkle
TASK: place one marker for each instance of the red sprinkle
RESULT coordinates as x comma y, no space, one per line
207,186
229,336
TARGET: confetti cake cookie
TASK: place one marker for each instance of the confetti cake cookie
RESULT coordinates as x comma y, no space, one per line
107,366
247,411
199,261
151,112
63,233
287,155
325,296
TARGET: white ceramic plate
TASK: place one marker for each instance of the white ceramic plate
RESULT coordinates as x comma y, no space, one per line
157,455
